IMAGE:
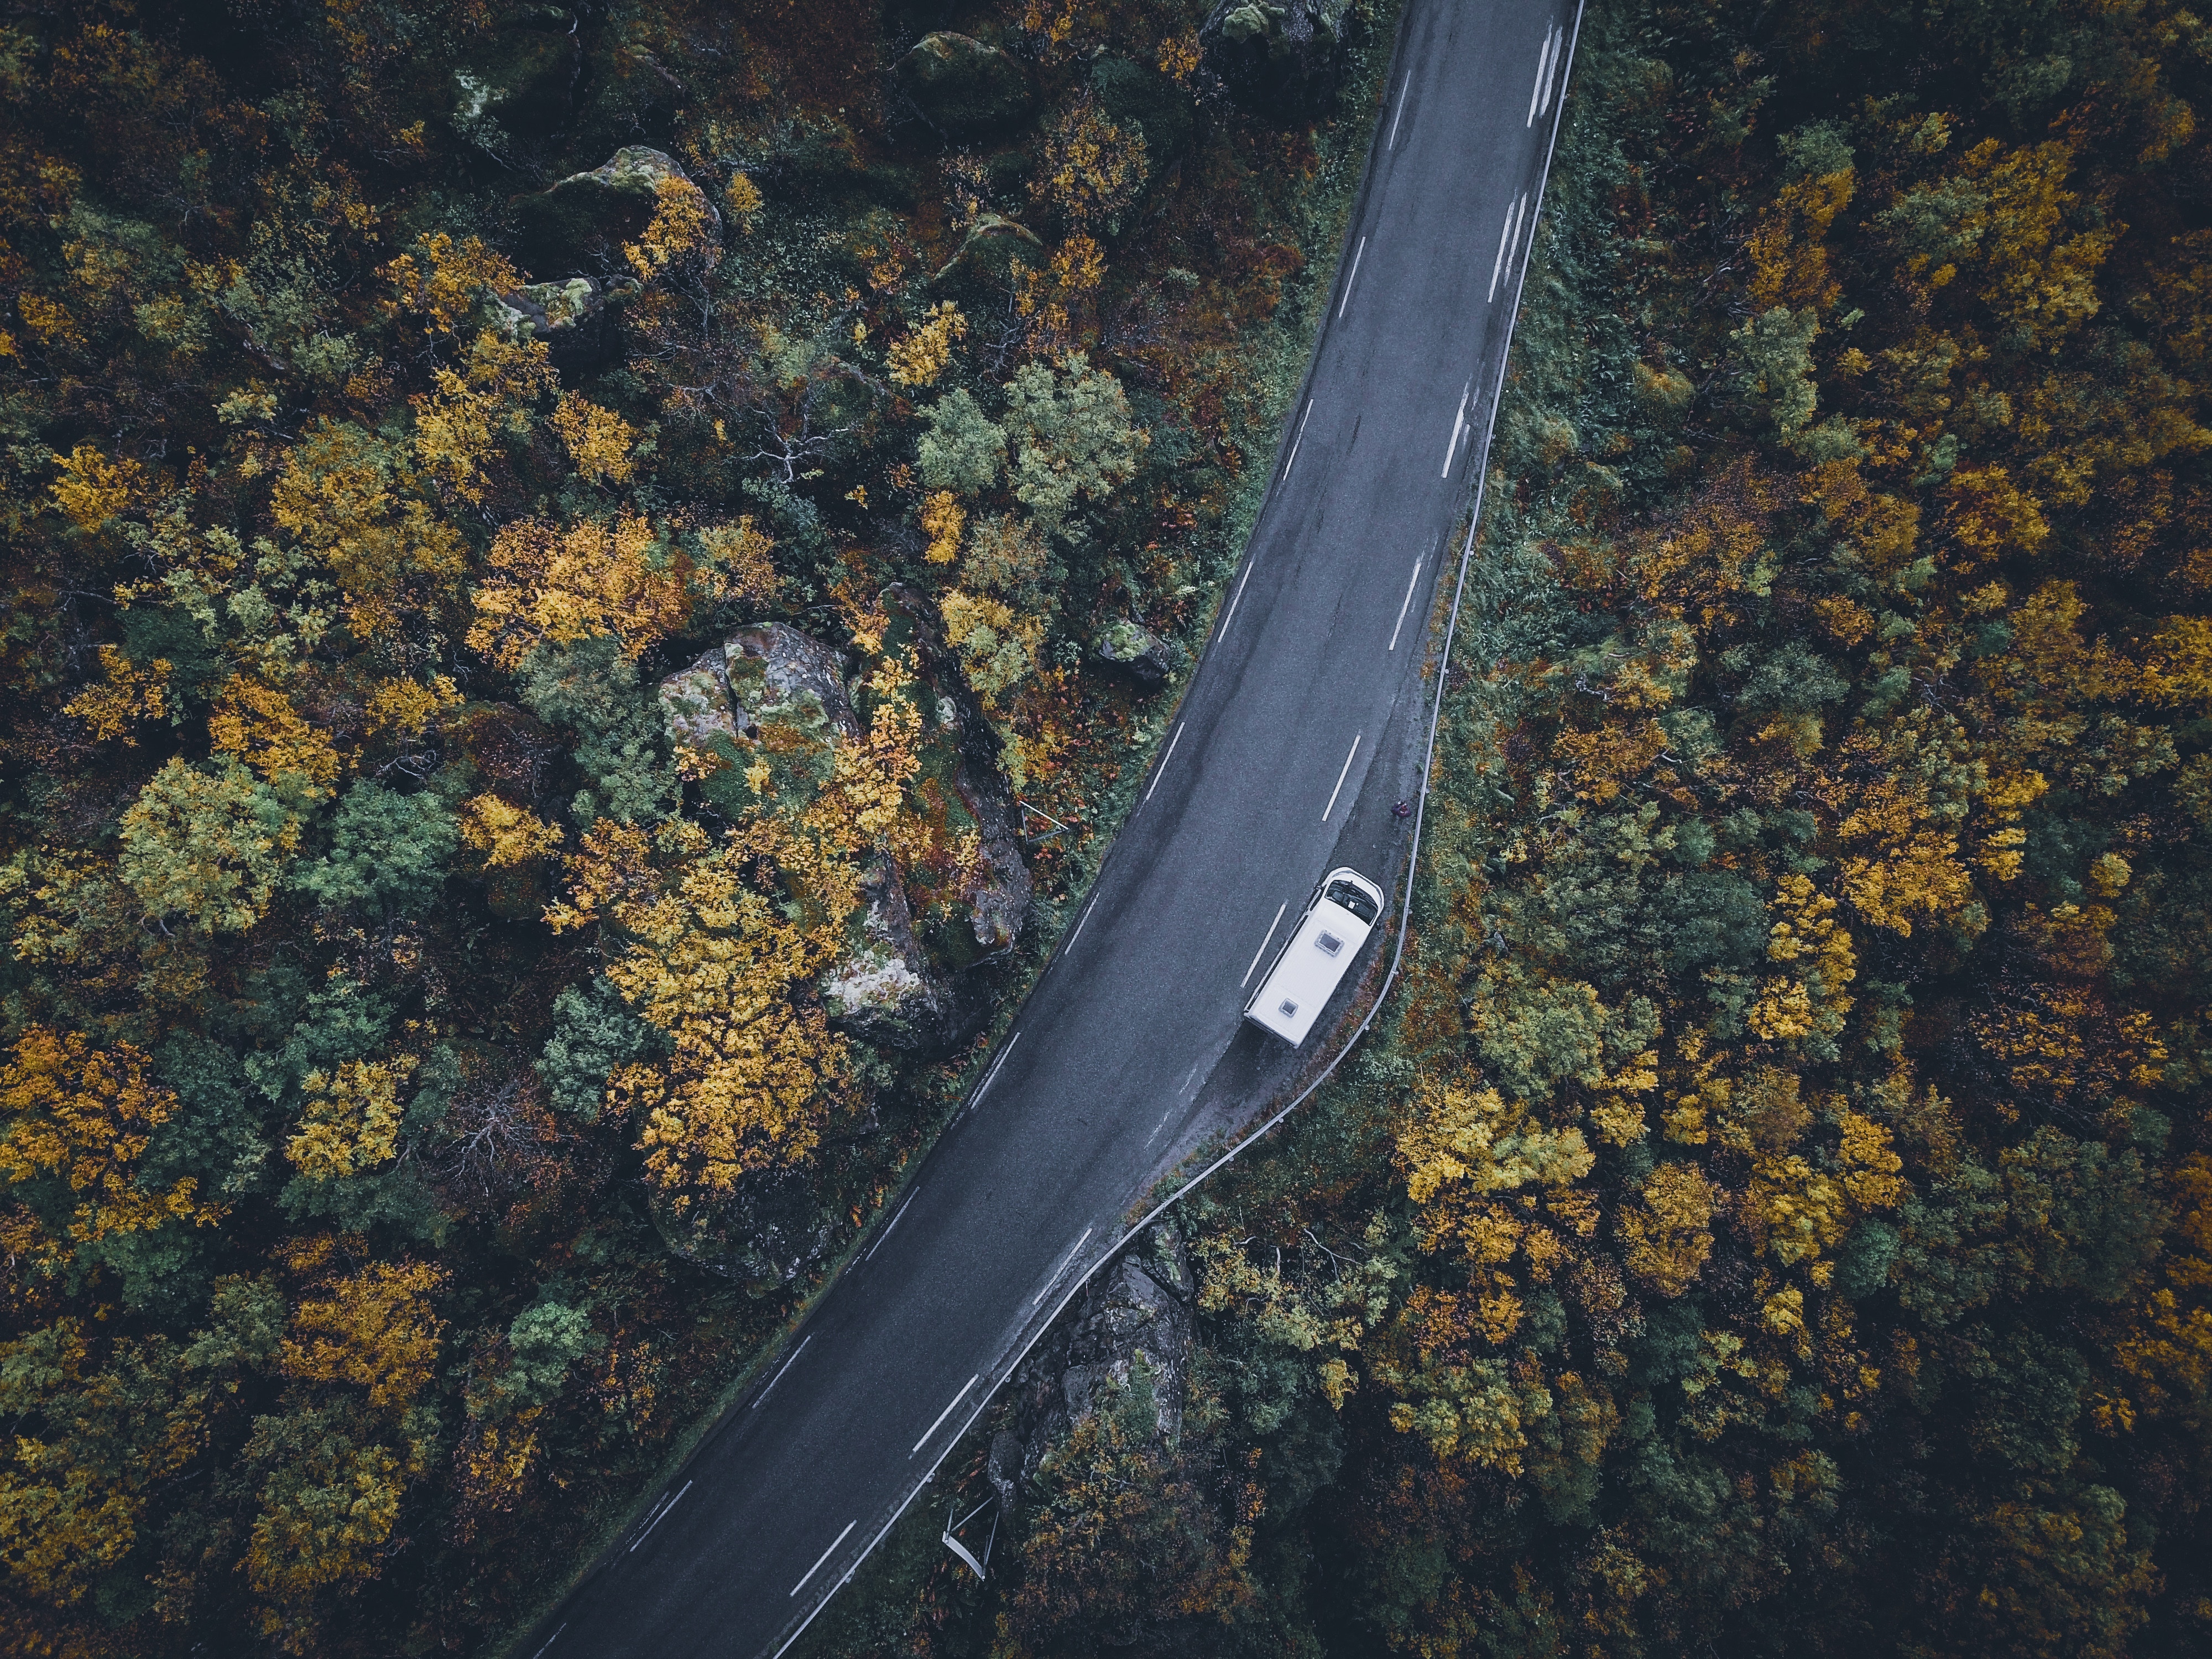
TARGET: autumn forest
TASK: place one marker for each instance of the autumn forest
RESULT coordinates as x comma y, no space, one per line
587,585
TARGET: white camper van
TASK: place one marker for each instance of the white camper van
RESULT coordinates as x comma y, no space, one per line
1344,911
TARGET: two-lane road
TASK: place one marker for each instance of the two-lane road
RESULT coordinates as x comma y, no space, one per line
1319,647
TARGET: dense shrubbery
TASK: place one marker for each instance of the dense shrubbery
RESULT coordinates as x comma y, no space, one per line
1778,1216
417,1093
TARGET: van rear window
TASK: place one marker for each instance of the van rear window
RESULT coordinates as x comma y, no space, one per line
1344,893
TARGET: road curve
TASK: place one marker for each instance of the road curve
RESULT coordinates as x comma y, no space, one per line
1313,664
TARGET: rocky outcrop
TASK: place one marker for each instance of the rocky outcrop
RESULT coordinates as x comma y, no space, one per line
580,222
774,699
988,252
1138,652
885,991
962,87
569,315
765,1234
1283,59
519,82
1132,1326
1001,906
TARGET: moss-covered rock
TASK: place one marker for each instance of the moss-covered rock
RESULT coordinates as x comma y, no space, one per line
1280,58
580,222
962,87
569,314
1136,651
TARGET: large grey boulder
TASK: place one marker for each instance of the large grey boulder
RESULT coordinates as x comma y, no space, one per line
1283,59
962,87
579,223
1132,1326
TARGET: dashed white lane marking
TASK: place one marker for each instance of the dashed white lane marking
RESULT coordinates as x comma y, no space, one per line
1543,74
1497,266
550,1640
1165,759
1341,776
993,1078
1406,86
1078,934
1295,441
802,1348
1559,57
1512,236
1239,594
1262,951
1406,604
825,1555
1048,1284
662,1513
1358,254
1459,425
933,1428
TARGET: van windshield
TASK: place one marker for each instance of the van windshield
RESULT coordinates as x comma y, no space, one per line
1360,905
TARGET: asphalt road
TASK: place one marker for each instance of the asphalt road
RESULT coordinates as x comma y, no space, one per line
1315,659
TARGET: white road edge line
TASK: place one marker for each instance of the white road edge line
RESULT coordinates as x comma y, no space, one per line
550,1640
939,1423
1513,247
1165,759
1233,598
1262,951
1406,604
826,1554
1497,266
1048,1284
1340,777
679,1498
1459,425
989,1080
1543,74
1358,254
1300,439
1406,87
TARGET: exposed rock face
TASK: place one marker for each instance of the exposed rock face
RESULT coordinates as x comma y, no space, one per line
887,992
962,87
1132,1323
569,315
773,695
767,1232
1280,59
580,223
1001,908
987,253
1137,651
520,82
